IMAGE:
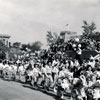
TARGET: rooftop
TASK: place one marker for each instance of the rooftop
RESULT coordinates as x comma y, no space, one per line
68,33
4,36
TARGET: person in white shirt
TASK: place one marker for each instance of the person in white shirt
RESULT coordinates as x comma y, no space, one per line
91,62
54,72
76,63
78,55
1,68
7,71
49,79
14,70
43,74
21,71
89,75
35,75
62,72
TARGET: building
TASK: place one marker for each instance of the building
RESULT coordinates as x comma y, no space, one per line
66,35
5,39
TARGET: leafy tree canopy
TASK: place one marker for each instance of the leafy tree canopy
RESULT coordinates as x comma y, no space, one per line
3,47
88,29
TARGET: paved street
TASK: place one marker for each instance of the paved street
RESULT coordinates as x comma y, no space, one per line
17,91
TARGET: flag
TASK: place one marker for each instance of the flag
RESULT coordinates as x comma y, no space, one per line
66,24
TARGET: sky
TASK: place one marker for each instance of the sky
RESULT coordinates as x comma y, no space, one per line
27,21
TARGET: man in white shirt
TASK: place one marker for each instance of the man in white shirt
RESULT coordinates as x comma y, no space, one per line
1,68
92,62
21,71
7,70
49,79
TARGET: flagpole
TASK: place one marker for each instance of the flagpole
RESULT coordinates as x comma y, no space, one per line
67,25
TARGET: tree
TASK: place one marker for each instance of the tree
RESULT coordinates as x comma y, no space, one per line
15,50
16,45
3,50
36,46
52,37
3,47
88,29
25,46
92,28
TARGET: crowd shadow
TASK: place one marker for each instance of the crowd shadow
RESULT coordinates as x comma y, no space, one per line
49,93
39,88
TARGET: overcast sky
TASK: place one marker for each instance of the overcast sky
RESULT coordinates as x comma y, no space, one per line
29,20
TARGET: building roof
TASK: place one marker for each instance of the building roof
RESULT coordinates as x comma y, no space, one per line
68,33
4,36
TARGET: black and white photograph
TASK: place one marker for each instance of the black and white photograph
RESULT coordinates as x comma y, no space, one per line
49,49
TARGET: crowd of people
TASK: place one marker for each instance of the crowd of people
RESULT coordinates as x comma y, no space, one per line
62,74
86,44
